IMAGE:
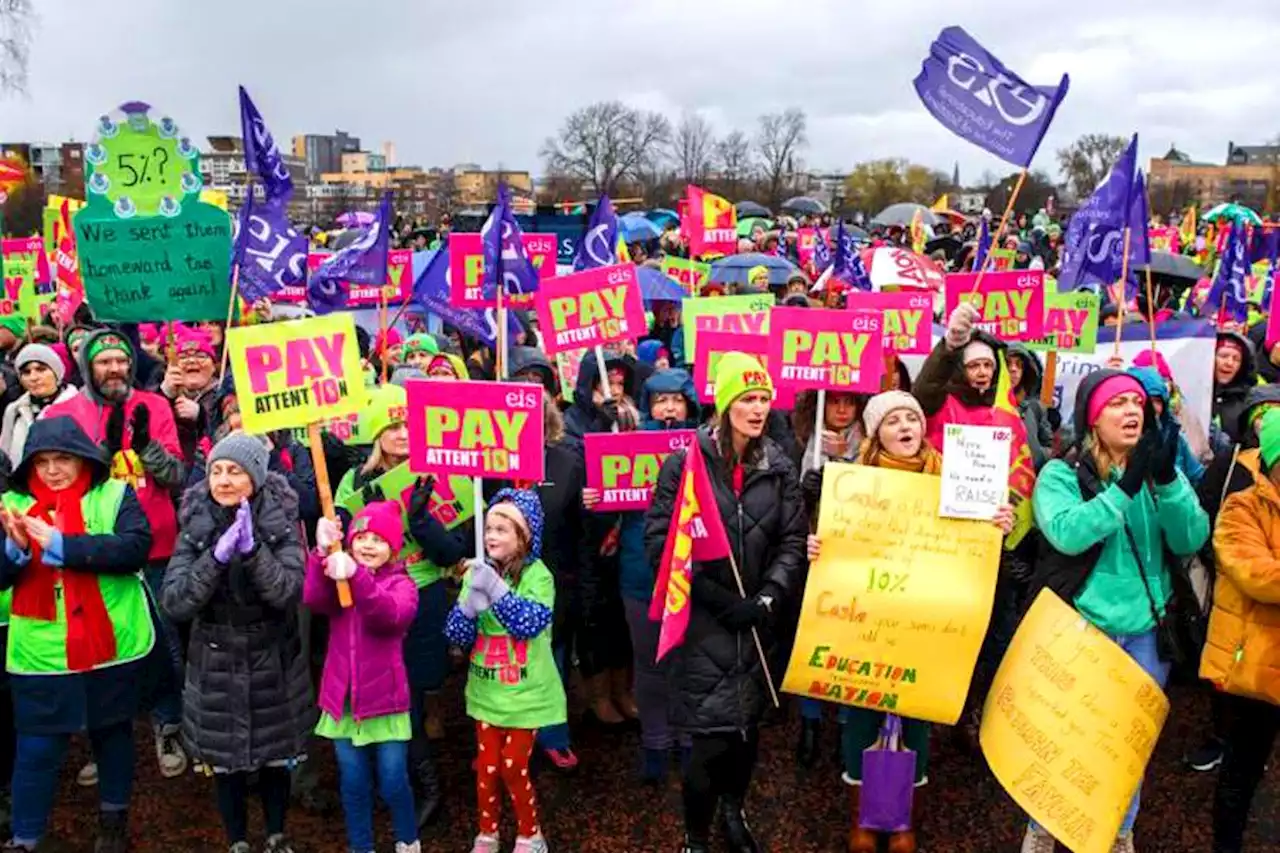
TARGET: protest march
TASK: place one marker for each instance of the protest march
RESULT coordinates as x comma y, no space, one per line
936,531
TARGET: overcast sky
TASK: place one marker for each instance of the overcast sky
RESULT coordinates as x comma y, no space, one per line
487,82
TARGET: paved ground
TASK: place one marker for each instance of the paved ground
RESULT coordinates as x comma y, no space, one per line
603,810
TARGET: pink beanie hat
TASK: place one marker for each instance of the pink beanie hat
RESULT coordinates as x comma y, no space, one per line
189,341
1110,388
1148,358
383,520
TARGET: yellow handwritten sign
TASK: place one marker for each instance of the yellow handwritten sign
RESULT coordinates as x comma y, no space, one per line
1070,724
896,607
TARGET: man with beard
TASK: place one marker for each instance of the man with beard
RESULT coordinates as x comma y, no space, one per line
140,436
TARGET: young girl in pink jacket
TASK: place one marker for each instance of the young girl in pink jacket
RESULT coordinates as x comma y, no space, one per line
364,693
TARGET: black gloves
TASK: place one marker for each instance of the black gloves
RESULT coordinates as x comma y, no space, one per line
753,612
141,427
1140,461
609,408
420,500
1164,469
811,489
115,430
372,493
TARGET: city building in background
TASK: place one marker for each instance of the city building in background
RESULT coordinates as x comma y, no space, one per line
323,153
1250,175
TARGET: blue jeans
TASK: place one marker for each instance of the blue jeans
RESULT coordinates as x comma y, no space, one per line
39,760
1142,648
167,712
355,781
557,736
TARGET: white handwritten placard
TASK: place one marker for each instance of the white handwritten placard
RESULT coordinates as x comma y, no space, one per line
975,471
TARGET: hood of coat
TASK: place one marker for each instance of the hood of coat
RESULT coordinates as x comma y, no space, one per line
959,386
275,507
532,358
1080,414
1258,395
589,373
670,381
62,434
530,506
1247,375
86,369
1032,370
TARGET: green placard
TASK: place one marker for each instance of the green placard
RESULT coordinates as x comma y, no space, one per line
1070,322
148,247
452,498
746,314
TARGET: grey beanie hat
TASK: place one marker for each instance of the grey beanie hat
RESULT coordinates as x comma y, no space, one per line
247,451
43,354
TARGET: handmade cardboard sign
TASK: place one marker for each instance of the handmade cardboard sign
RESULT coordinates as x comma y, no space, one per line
476,429
1011,304
298,372
624,466
975,471
148,247
590,308
836,350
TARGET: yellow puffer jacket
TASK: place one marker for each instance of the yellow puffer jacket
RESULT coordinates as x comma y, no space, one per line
1242,655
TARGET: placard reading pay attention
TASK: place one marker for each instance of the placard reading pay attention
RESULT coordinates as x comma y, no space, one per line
975,471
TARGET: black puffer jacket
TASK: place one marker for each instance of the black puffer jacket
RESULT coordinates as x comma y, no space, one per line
247,698
717,680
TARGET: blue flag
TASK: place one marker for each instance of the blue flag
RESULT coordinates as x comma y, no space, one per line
1229,293
821,252
504,251
599,245
981,251
847,265
270,252
781,249
362,262
977,98
1093,249
431,294
261,156
1272,239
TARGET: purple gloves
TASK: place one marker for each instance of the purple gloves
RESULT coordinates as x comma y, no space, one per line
485,578
474,604
238,538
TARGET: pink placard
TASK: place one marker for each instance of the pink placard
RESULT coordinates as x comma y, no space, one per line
1164,239
908,318
1273,324
624,466
466,266
590,308
806,239
1011,304
836,350
711,344
399,277
476,429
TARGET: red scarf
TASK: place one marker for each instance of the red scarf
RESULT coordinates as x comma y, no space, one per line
91,640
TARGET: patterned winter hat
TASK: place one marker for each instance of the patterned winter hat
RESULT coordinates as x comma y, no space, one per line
383,520
523,508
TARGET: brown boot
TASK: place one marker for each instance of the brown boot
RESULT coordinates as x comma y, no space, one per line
905,842
434,716
623,697
602,706
860,840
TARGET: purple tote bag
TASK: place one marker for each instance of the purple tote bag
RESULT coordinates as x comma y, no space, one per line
888,781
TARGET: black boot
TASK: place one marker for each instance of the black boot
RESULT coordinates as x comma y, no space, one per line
113,832
807,748
427,792
692,845
733,822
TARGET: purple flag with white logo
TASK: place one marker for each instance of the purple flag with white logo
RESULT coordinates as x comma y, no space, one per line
261,156
847,265
1093,248
503,243
599,244
781,249
1272,242
984,244
431,294
1229,294
977,98
821,252
270,252
362,262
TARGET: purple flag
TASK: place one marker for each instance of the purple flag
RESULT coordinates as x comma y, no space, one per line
431,294
1272,240
821,252
977,98
1093,248
781,249
362,262
599,244
261,156
270,251
504,251
848,266
1229,293
984,244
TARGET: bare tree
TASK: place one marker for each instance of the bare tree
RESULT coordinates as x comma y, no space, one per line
779,139
605,142
733,159
692,148
17,17
1086,161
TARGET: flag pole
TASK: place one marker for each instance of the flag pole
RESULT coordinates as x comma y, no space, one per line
326,497
1124,280
1151,308
1004,220
755,635
235,281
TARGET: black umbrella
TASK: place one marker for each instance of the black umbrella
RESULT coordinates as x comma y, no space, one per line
948,243
902,213
750,208
804,204
1174,266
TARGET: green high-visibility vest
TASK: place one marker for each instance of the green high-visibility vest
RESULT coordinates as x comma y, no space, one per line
39,647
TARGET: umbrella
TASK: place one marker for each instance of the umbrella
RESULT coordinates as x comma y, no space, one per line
734,268
750,208
1174,266
804,204
355,219
902,213
746,226
1234,212
656,286
859,235
895,268
662,216
636,228
948,243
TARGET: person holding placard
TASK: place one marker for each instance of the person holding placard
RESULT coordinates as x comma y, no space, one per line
1243,637
190,384
1119,520
895,426
80,626
237,577
719,688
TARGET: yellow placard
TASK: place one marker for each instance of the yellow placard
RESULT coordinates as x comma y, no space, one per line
217,198
1070,724
292,374
897,604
